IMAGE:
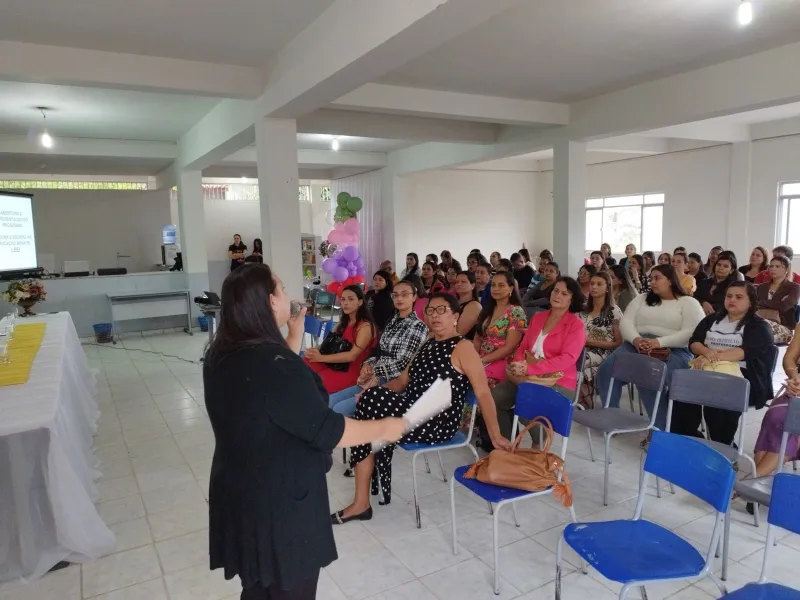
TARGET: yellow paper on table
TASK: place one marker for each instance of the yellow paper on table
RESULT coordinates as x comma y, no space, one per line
22,350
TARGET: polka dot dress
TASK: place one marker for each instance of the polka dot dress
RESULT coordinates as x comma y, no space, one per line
434,360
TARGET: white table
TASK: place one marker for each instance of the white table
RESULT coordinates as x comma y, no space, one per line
126,306
47,467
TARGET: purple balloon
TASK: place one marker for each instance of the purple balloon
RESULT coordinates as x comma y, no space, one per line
340,274
342,262
362,271
338,254
353,272
360,262
351,253
329,265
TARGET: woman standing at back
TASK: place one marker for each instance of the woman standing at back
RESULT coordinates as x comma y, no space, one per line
274,433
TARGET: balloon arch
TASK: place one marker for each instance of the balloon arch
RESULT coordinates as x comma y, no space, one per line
344,260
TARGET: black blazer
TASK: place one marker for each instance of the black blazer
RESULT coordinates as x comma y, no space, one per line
760,354
715,298
381,307
268,500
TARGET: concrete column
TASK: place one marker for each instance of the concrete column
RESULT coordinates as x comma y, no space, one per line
395,223
569,205
739,202
192,228
276,156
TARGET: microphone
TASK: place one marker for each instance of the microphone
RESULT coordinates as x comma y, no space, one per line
294,308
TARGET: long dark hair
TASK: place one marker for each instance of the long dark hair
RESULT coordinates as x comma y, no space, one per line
415,268
731,258
622,276
491,303
574,288
608,299
416,281
258,246
707,264
751,312
362,314
471,278
246,317
387,278
667,271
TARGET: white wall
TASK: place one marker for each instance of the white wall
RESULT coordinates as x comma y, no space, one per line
458,210
96,225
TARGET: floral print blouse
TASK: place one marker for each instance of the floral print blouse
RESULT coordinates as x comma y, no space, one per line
494,336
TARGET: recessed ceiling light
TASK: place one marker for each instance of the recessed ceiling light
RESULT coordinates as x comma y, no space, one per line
335,144
244,179
745,13
45,139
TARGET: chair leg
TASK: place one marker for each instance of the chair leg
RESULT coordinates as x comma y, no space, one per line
474,451
496,544
726,539
630,395
607,440
558,566
441,464
756,515
584,566
720,586
427,464
658,488
416,497
453,514
344,456
589,435
644,592
514,512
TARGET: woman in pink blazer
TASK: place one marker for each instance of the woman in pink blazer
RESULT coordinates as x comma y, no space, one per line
554,342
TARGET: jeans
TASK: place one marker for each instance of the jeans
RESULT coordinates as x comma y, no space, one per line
344,402
679,359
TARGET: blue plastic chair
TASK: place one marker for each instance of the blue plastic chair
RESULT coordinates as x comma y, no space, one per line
782,513
638,552
459,440
317,329
532,401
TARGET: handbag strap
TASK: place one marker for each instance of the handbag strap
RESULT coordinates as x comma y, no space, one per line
548,427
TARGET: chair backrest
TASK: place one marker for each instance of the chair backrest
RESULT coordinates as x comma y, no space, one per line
312,326
540,401
782,508
707,388
792,423
580,365
693,466
772,359
312,295
471,399
325,299
641,370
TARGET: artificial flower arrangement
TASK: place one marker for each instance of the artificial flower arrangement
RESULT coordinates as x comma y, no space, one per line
25,289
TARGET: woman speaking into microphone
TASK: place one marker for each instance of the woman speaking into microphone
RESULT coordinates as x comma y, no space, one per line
268,497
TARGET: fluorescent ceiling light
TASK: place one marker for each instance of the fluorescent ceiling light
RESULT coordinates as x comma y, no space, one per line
745,13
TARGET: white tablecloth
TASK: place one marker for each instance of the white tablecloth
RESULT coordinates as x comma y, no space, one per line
47,467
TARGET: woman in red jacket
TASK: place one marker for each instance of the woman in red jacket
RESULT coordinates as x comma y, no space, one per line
553,343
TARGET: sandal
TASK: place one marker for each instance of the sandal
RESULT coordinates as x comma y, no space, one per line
338,519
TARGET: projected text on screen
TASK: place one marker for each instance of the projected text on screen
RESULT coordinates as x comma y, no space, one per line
17,240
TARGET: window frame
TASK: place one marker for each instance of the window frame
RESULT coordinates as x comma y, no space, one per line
642,205
785,212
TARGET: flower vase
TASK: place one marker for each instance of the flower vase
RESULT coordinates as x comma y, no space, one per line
27,305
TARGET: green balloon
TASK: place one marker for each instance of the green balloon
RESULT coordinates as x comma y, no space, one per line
342,199
354,203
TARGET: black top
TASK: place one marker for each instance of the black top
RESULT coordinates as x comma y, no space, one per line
760,353
268,499
743,270
701,275
235,262
470,335
380,306
524,276
713,292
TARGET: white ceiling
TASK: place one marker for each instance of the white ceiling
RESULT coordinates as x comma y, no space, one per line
319,141
568,50
236,32
99,113
81,165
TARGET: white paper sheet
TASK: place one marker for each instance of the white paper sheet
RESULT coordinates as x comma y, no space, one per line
434,401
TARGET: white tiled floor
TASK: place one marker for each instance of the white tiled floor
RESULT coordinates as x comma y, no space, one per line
155,445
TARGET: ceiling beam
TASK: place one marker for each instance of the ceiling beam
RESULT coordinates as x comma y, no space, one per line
777,128
20,144
711,130
225,129
37,63
355,42
378,97
328,158
629,144
396,127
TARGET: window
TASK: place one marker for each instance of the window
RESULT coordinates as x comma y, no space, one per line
622,220
35,184
789,221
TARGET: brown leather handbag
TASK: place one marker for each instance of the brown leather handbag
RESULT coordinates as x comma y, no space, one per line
659,353
528,469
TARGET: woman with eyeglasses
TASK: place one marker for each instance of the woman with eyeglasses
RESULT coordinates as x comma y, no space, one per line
445,355
665,317
402,337
778,298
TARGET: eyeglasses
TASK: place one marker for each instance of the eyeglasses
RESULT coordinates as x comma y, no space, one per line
439,310
396,295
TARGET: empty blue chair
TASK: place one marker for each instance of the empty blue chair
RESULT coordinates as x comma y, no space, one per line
638,552
782,513
459,440
532,401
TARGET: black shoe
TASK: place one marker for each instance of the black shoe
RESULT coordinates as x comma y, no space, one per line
750,508
337,519
348,473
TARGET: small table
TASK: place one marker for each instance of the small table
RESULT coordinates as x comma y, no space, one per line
211,313
127,306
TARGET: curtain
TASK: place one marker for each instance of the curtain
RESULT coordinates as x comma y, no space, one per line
367,187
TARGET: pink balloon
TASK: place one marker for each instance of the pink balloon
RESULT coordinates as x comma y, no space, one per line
336,237
351,226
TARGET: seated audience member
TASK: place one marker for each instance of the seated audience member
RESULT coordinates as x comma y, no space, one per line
679,249
538,297
713,255
679,263
759,261
711,292
664,258
735,341
665,317
450,280
476,251
494,258
430,279
379,299
389,268
522,272
622,287
601,321
412,265
637,273
433,259
503,265
527,256
786,251
545,256
551,346
768,443
357,327
403,335
474,259
448,261
605,248
649,260
611,261
422,298
630,250
695,267
483,275
445,355
585,277
597,260
501,326
778,298
469,304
